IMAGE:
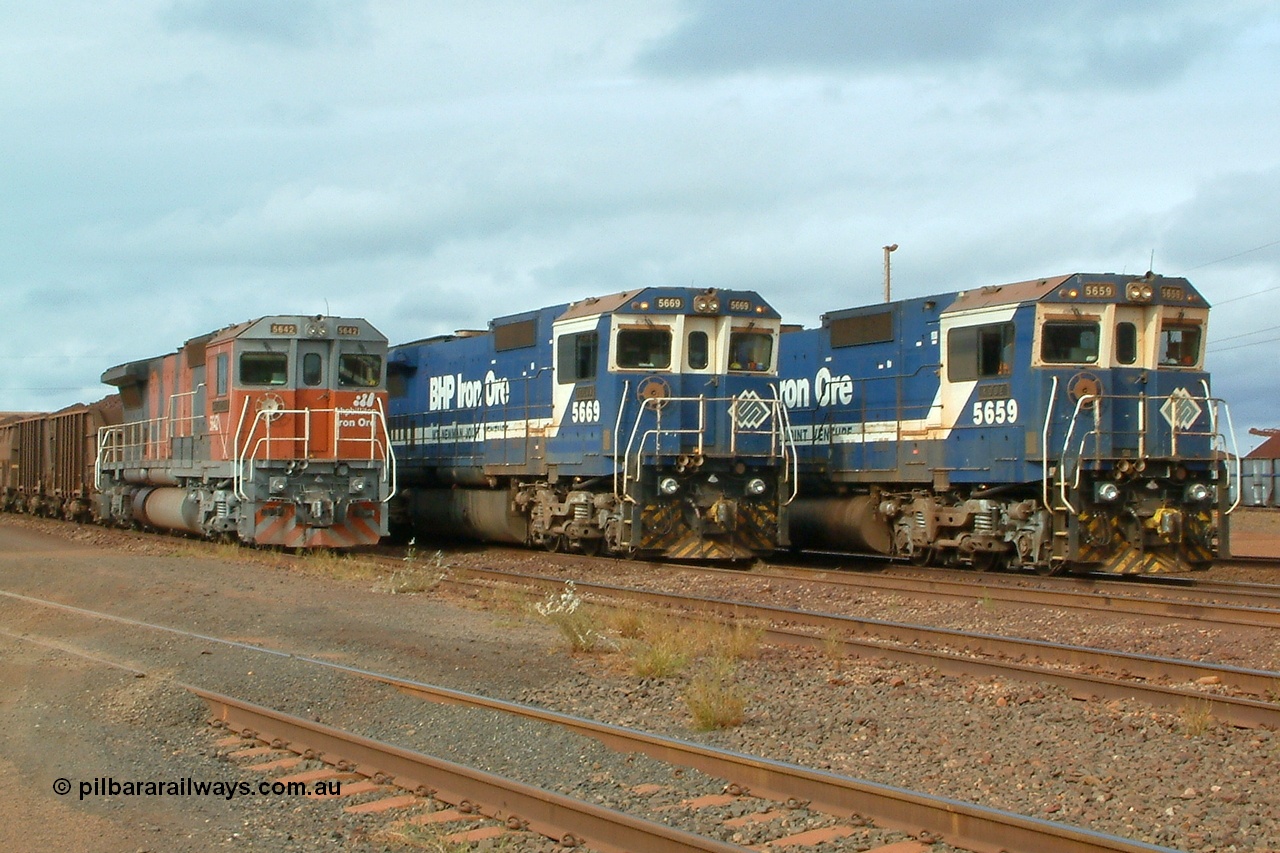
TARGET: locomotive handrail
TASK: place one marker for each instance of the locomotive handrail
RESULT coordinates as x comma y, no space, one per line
1044,444
249,450
779,434
617,433
788,440
781,441
174,418
1066,445
1235,447
1069,463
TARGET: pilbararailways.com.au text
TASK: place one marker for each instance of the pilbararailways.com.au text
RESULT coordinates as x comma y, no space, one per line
109,786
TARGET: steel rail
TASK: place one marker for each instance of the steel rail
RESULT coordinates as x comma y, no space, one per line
963,824
1097,601
900,641
1233,592
969,825
553,815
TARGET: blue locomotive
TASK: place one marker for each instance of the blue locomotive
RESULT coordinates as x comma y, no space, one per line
641,422
1061,424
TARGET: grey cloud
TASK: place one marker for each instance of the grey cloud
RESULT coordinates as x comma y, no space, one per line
1084,42
299,23
1231,220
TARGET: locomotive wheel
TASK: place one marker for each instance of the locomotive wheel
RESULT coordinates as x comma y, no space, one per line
986,561
921,557
556,543
592,547
1047,570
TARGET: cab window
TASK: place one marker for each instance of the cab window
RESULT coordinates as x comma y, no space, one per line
221,380
644,348
1069,343
576,357
699,351
1179,346
1126,343
264,368
750,351
978,352
311,369
359,370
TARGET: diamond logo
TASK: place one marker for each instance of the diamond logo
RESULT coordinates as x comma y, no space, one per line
750,410
1181,410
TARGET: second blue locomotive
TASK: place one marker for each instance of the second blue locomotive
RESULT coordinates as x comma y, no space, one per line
641,422
1064,423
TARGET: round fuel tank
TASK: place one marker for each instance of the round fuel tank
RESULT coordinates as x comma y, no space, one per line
839,524
167,508
472,513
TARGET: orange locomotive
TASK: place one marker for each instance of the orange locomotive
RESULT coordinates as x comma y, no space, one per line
272,431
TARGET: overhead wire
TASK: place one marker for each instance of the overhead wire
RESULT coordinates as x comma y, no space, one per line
1222,302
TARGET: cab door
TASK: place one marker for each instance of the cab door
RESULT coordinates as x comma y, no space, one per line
1129,358
315,397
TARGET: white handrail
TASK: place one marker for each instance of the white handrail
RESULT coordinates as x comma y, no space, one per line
1044,445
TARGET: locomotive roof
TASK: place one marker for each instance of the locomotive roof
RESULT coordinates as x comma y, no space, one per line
273,327
1074,288
646,300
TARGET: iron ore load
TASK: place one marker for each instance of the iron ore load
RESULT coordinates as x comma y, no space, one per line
1061,424
271,431
640,422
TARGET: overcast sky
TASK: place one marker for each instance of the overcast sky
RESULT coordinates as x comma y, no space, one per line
168,167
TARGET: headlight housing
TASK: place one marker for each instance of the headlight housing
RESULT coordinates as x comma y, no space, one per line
668,486
1106,492
1198,493
756,486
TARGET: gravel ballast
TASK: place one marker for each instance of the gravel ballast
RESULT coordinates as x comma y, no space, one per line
1173,779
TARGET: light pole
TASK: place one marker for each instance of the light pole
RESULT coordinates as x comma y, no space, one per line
887,250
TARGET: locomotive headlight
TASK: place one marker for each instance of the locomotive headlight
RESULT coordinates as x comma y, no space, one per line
1198,492
756,486
1106,492
668,485
1137,291
278,484
358,485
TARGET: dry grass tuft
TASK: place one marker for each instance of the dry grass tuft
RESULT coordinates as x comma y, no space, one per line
714,697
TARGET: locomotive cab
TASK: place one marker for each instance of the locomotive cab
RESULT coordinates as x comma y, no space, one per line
644,421
698,444
1094,386
1137,436
272,431
1058,424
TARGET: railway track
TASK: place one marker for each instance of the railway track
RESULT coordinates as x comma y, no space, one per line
1254,606
1124,675
570,822
1156,597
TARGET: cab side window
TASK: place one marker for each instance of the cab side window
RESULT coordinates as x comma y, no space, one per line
979,352
576,357
221,370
